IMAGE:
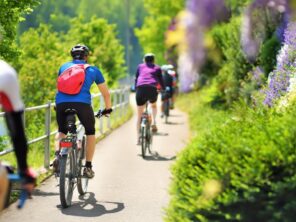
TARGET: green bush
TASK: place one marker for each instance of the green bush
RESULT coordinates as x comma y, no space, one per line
268,52
234,66
240,170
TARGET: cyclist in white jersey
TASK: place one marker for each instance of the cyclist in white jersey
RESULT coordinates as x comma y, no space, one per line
13,107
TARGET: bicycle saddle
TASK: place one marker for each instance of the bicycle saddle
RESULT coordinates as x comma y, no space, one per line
70,111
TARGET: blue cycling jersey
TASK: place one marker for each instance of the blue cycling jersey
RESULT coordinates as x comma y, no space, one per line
93,74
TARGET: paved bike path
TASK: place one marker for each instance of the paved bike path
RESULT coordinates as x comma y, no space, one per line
126,188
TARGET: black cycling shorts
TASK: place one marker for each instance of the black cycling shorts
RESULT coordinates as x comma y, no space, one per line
85,115
146,93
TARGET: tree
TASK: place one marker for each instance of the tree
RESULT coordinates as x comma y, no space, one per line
10,14
152,33
106,50
42,54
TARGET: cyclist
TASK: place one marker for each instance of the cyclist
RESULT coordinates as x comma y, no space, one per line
14,108
147,76
168,81
81,102
172,72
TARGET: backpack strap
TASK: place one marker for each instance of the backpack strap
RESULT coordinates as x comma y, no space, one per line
86,66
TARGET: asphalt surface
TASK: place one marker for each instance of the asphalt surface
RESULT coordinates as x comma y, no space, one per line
126,187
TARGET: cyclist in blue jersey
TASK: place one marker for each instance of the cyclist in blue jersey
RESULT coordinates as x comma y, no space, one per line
13,107
148,76
81,102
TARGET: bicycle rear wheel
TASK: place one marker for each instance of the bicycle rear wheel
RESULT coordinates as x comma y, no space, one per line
66,179
82,182
143,141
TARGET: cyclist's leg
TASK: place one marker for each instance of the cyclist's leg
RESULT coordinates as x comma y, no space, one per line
3,186
141,101
153,100
86,116
61,121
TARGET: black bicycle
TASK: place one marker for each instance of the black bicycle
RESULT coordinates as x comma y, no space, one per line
166,102
72,155
71,159
145,132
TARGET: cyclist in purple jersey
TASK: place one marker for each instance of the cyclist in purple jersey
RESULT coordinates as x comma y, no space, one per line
148,75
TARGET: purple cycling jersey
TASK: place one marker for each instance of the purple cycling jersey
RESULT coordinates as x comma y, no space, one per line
148,74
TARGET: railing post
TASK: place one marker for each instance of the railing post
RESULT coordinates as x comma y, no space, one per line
101,119
126,99
109,119
121,102
115,106
47,139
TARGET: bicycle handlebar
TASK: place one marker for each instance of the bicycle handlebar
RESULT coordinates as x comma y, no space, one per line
24,193
104,112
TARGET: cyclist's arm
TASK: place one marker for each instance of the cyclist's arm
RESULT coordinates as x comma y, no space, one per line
106,95
136,79
160,79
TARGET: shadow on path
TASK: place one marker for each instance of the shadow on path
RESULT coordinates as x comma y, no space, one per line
90,207
175,115
154,156
174,123
160,134
42,193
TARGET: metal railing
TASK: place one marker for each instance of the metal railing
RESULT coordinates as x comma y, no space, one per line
120,102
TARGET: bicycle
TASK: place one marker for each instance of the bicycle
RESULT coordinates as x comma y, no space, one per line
72,155
145,132
71,158
166,108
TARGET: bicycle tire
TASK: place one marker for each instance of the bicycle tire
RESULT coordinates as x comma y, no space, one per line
82,182
149,136
166,110
66,179
143,141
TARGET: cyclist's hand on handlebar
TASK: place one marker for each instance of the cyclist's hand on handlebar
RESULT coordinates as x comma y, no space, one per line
104,112
28,180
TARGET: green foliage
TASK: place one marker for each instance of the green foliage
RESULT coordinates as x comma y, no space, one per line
152,33
268,53
237,7
42,54
106,50
242,169
125,14
234,66
10,14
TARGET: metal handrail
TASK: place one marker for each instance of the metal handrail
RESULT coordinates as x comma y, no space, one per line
120,102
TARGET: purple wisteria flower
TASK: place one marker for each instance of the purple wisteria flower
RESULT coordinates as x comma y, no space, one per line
200,15
259,18
279,79
257,76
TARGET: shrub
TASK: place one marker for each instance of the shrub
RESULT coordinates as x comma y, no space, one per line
241,170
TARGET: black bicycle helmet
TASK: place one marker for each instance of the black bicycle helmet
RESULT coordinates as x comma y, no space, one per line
79,51
149,57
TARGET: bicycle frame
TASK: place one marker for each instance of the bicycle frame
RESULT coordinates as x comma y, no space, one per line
71,162
146,135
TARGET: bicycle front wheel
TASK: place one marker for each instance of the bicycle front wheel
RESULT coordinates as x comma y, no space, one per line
66,179
149,137
82,182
